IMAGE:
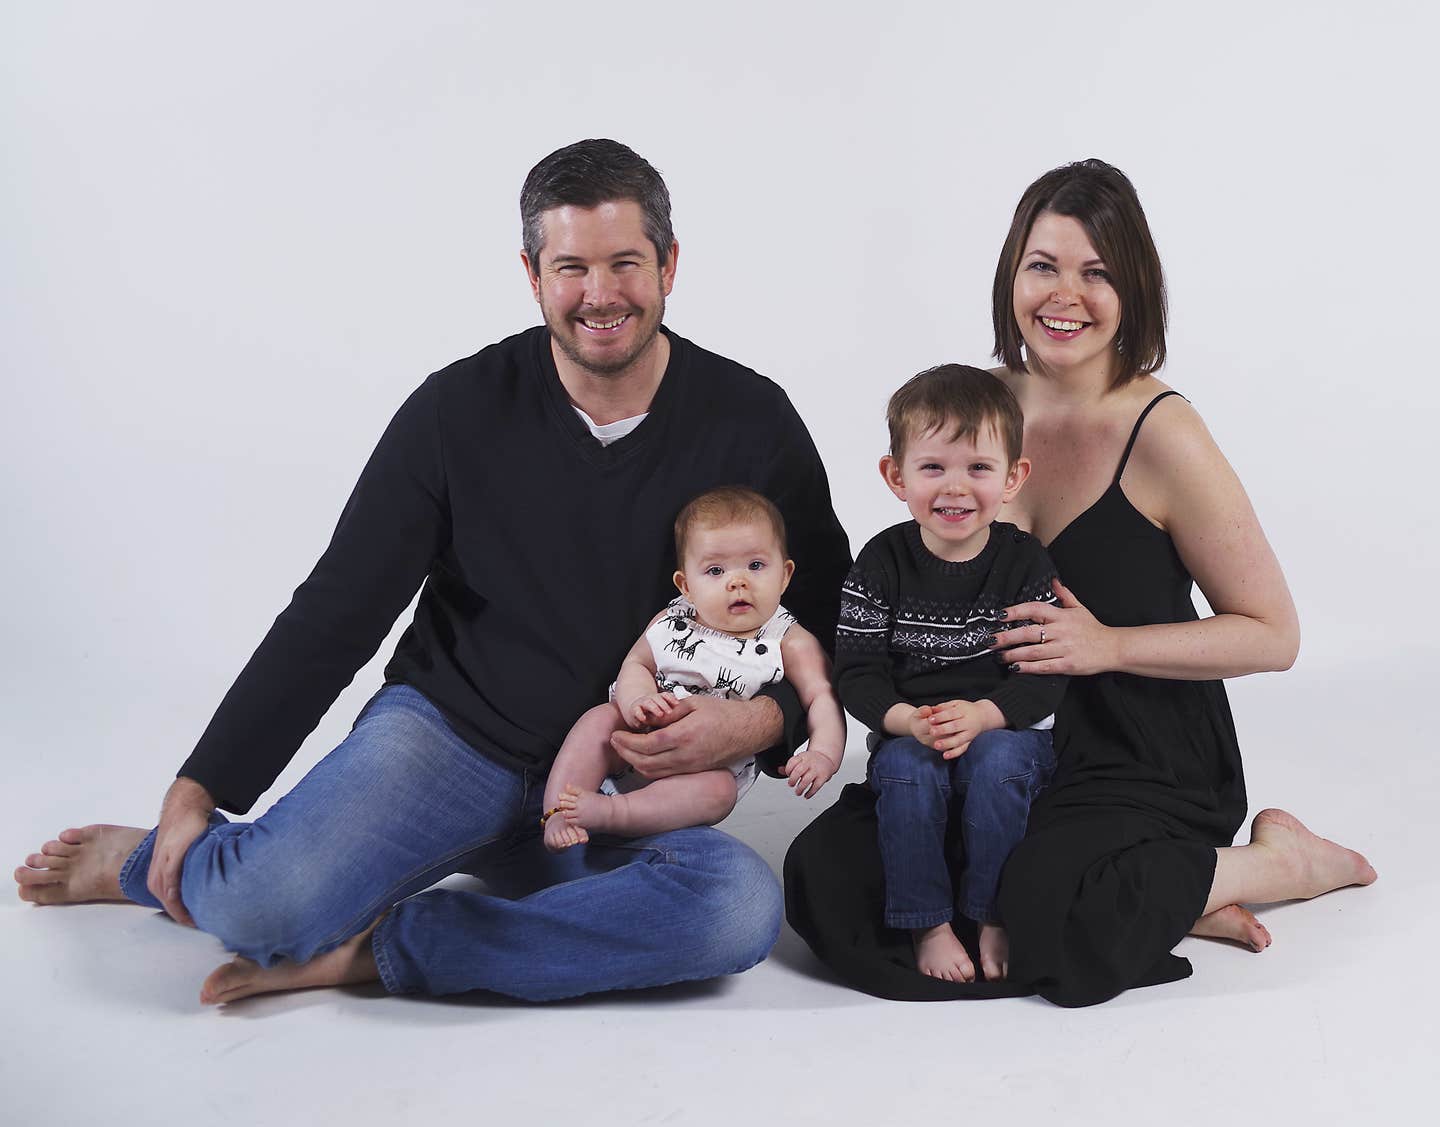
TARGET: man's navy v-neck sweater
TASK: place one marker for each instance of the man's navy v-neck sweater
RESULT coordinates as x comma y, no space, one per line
542,555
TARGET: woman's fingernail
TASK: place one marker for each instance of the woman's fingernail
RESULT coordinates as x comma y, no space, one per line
1014,667
1004,614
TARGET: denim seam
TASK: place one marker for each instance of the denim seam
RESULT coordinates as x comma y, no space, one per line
919,919
129,865
388,976
912,782
987,915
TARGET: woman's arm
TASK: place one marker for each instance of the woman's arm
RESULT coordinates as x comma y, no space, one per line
1178,478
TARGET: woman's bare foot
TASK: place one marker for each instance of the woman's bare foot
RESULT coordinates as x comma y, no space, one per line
994,952
560,834
591,810
1316,864
351,962
940,954
1235,923
79,865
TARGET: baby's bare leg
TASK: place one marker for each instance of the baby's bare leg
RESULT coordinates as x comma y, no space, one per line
673,803
584,759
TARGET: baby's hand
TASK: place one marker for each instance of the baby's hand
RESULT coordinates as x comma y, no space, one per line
808,771
645,712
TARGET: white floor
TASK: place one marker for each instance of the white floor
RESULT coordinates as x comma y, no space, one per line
1335,1023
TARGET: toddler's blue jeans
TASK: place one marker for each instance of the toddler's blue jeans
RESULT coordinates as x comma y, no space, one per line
989,789
404,802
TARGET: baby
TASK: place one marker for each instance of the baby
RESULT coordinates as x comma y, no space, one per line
726,635
913,662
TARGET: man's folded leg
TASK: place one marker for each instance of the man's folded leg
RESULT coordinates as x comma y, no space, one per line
612,915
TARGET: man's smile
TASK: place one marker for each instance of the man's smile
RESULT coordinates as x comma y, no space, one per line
605,326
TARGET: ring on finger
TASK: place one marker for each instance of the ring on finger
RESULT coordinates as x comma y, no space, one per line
1042,633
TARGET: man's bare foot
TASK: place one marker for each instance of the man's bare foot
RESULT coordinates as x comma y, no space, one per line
351,962
590,810
994,952
560,834
79,865
940,954
1235,923
1317,865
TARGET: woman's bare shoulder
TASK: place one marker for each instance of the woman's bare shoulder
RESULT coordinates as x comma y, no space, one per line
1176,467
1173,431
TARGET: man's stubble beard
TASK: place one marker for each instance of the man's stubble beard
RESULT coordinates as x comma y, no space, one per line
567,343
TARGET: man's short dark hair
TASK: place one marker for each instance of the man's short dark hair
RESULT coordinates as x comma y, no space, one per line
959,397
587,174
1104,202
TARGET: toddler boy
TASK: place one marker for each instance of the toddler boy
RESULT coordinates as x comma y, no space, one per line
956,735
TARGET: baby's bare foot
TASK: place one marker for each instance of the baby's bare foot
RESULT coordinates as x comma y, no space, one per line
560,834
1235,923
79,865
351,962
590,810
994,952
1318,865
940,954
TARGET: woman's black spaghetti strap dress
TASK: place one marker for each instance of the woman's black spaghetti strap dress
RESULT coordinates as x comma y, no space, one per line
1120,852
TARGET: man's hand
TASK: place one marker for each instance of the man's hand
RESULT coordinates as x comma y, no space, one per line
183,817
701,733
950,727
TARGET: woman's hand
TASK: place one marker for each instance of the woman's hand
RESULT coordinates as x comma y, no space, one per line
1064,639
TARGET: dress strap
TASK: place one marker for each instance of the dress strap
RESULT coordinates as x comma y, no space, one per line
1134,434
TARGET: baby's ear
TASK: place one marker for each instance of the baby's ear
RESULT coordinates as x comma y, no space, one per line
680,583
789,575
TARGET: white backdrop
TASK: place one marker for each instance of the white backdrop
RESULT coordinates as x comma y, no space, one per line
233,242
235,238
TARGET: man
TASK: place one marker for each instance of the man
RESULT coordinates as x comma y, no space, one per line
530,488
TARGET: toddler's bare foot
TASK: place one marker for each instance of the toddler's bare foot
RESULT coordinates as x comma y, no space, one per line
1235,923
79,865
351,962
590,810
560,834
1317,864
940,954
994,952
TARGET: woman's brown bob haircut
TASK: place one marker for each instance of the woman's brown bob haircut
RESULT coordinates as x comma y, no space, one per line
1104,202
729,504
959,397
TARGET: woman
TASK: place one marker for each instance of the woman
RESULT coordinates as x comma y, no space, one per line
1129,848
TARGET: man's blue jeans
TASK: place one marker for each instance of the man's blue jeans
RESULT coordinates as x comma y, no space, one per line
404,802
989,789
